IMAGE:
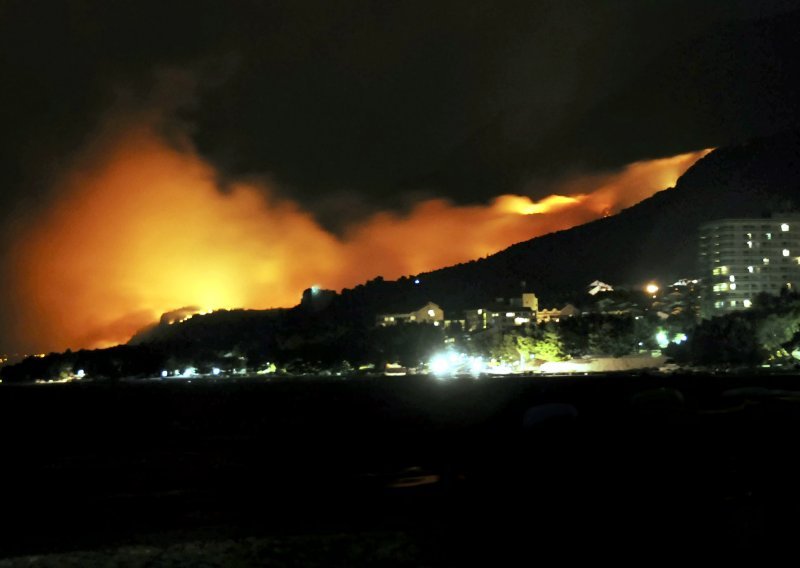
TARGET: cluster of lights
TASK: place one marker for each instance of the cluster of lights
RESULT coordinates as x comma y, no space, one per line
663,340
450,363
190,372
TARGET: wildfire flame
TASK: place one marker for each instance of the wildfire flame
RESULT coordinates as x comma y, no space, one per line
144,230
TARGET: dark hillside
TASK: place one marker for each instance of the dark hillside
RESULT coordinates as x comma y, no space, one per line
655,239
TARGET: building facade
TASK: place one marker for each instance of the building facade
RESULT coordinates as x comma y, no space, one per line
741,258
503,312
502,316
557,314
429,313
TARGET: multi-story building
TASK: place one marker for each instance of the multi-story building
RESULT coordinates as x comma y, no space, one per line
502,316
503,312
741,258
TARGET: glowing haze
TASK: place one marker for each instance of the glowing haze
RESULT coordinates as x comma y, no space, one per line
143,230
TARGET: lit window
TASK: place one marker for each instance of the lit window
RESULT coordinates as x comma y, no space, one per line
431,313
733,303
749,244
749,235
784,227
732,278
733,286
769,236
750,269
719,304
747,303
786,252
766,260
723,269
510,314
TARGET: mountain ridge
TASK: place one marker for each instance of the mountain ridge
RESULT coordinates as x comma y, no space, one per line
655,239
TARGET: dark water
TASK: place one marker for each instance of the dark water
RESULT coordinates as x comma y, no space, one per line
466,469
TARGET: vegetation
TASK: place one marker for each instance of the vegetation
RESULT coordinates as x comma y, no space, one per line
767,332
314,339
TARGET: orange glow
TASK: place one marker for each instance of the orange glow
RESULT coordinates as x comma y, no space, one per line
143,231
526,206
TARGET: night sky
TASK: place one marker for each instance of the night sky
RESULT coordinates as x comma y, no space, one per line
242,151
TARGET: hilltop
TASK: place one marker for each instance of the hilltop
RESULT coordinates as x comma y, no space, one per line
655,239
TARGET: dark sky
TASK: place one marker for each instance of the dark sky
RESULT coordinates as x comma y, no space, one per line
352,106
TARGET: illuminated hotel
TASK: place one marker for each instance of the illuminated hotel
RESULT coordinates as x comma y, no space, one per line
741,258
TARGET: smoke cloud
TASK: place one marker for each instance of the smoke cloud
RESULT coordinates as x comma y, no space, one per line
141,229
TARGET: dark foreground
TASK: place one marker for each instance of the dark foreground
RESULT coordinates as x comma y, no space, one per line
404,471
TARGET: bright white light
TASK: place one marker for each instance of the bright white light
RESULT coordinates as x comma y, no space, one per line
732,278
431,313
190,372
747,303
679,338
80,374
476,366
750,269
733,286
651,288
215,371
501,369
749,244
416,280
784,227
165,374
662,339
436,324
786,252
765,260
480,311
440,364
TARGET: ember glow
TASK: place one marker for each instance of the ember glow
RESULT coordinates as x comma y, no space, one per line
144,230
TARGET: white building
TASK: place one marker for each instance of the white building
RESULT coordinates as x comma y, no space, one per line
741,258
